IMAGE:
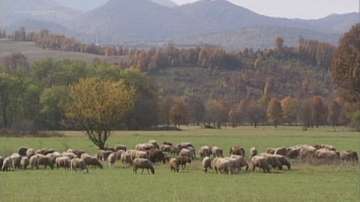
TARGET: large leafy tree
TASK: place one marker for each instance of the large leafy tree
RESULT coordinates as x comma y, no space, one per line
98,105
346,65
274,112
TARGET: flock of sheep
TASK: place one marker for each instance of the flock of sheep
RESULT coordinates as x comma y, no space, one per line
146,155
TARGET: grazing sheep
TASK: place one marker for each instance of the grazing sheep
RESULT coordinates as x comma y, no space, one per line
91,160
260,162
325,146
174,165
326,156
206,164
120,147
142,154
22,151
53,156
30,152
1,161
7,164
205,151
24,163
293,152
144,147
222,165
277,161
156,156
104,154
307,152
237,150
281,151
63,162
273,161
41,160
270,150
77,152
69,154
126,158
141,163
349,156
154,143
253,152
16,159
217,152
183,160
166,148
118,154
112,159
187,152
78,164
236,163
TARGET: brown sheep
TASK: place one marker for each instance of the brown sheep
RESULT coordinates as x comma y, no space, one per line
183,160
174,165
349,156
283,161
141,163
217,152
260,162
24,163
253,152
77,164
281,151
154,143
63,162
206,164
237,150
157,156
293,152
22,151
205,151
7,164
273,161
91,160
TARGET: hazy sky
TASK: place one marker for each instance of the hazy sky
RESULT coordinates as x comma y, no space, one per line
296,8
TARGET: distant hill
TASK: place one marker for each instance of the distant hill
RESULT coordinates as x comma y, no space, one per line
161,21
206,21
14,13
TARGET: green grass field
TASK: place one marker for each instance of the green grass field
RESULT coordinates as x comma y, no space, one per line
337,183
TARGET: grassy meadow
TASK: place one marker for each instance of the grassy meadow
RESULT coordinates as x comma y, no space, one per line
333,183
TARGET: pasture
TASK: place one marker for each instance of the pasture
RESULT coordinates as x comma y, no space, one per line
331,183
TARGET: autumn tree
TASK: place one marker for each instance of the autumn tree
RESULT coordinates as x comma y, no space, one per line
334,113
346,65
216,113
305,113
290,109
97,105
274,112
178,112
256,113
319,111
196,109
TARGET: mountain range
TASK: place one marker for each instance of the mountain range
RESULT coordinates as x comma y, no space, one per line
217,22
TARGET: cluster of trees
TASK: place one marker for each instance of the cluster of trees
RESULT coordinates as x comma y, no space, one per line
311,112
346,71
